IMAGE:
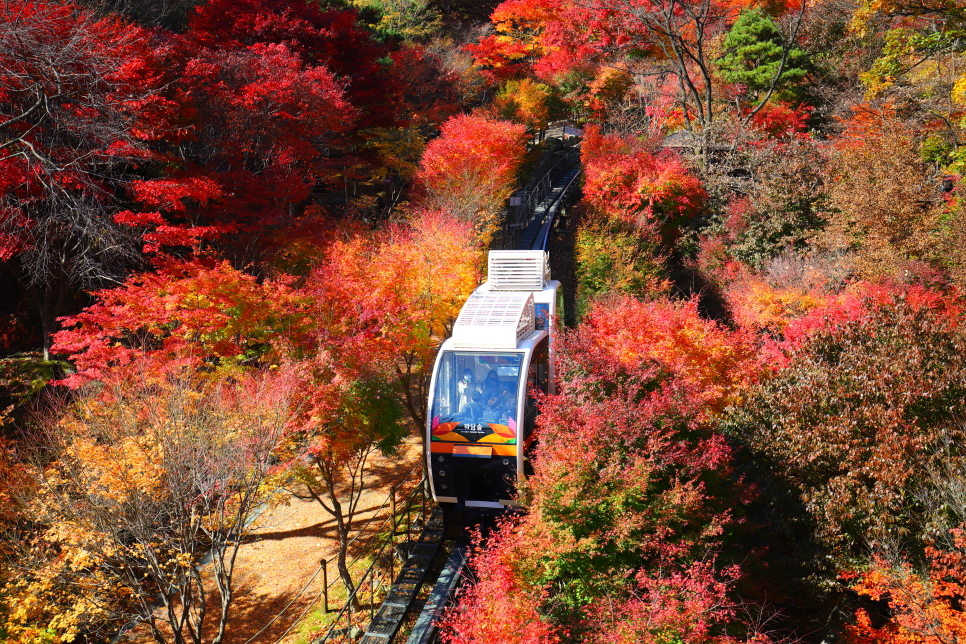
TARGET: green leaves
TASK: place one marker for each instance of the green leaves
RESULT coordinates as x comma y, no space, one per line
753,55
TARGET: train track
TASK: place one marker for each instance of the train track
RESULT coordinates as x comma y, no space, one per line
425,556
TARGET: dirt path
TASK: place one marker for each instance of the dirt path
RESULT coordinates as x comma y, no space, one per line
284,550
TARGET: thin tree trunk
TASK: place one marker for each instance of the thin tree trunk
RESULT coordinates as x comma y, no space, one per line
49,302
342,564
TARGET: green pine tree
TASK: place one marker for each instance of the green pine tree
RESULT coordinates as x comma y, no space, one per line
753,55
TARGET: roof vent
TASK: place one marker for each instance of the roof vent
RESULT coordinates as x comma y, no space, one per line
518,270
492,320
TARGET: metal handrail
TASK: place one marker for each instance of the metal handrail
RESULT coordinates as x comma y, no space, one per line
346,610
537,195
544,233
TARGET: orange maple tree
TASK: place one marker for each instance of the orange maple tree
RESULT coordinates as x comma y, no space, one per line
925,605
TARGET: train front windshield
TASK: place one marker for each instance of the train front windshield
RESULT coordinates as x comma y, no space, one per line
476,397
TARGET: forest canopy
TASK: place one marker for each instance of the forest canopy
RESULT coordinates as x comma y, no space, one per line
233,235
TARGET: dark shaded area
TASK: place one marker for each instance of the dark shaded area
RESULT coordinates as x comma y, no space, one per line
687,282
168,14
458,12
780,557
563,257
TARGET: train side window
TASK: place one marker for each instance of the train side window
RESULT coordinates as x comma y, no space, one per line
539,373
541,314
538,379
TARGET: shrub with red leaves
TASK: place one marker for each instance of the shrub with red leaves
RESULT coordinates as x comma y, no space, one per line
626,180
470,168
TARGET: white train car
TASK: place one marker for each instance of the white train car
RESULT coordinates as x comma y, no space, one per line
481,412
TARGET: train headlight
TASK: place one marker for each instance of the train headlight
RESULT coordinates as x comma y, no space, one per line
441,459
442,473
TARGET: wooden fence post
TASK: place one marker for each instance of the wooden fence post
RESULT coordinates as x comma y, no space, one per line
325,584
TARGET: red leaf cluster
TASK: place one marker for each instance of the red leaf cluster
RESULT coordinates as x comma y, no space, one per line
471,166
626,180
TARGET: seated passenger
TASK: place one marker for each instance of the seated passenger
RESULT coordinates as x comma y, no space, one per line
475,409
465,388
508,402
491,387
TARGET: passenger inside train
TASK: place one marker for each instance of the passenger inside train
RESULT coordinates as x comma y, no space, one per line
461,400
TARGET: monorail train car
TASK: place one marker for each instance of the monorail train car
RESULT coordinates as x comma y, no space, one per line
481,407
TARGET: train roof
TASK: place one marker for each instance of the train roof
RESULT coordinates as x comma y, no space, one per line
494,320
518,270
500,313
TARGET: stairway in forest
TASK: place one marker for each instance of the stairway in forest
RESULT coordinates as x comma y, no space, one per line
411,578
535,234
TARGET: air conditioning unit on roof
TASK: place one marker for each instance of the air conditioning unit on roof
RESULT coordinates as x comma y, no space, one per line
518,270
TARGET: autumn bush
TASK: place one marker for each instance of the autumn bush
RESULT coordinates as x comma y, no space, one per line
142,492
627,180
923,602
616,258
867,392
185,313
787,204
756,304
790,286
886,201
470,169
921,587
525,101
636,202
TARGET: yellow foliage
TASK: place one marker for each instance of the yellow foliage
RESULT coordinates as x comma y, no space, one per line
959,90
399,150
165,471
117,471
760,306
611,84
407,18
524,101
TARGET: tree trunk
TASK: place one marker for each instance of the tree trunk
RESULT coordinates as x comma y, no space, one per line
49,301
341,563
